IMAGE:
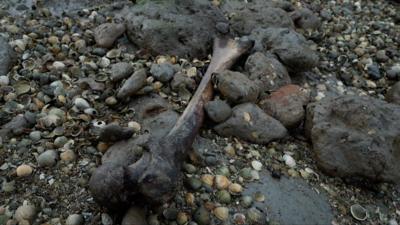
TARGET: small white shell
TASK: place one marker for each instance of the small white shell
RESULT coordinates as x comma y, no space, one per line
90,111
359,212
98,123
289,161
257,165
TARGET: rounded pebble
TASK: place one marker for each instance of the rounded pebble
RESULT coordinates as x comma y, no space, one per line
221,213
26,211
24,170
221,182
235,188
47,158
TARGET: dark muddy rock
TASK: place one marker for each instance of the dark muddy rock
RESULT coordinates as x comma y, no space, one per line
267,72
290,47
114,133
71,7
250,123
393,95
236,87
305,18
17,125
159,125
134,216
286,198
148,106
125,152
120,71
106,34
184,28
286,105
356,136
244,17
218,110
133,84
163,72
204,151
7,56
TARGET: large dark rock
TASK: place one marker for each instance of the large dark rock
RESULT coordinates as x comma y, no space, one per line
267,72
218,110
250,123
244,17
183,28
291,47
305,18
7,57
287,105
356,136
236,87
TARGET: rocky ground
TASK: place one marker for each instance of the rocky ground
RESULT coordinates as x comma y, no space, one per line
303,130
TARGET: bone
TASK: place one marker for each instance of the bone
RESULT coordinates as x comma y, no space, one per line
155,177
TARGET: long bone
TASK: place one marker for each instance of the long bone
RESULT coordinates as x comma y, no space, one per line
156,175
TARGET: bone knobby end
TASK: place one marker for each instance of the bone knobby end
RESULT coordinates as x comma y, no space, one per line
155,177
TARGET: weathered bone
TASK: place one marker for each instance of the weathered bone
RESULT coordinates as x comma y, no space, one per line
156,175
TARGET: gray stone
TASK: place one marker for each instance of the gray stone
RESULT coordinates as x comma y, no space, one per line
74,219
106,34
250,123
236,87
133,84
35,135
244,17
291,47
305,18
120,71
181,80
218,110
47,159
162,72
182,28
287,198
267,72
60,141
393,72
7,57
381,56
356,137
393,95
